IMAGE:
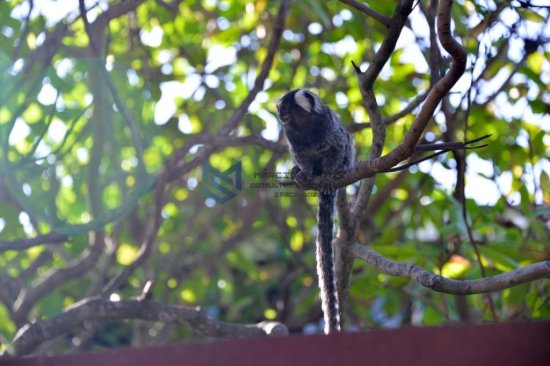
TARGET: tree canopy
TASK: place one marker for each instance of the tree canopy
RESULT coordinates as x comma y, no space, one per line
118,120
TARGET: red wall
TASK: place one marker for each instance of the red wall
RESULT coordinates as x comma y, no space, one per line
522,344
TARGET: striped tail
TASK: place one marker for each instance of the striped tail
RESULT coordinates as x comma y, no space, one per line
325,262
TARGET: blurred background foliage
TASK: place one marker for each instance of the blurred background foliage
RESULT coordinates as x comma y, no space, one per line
71,164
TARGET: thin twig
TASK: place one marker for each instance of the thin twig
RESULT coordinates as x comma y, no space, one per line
431,156
449,145
369,12
394,117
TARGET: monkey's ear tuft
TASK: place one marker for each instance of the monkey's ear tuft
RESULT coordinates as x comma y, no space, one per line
305,100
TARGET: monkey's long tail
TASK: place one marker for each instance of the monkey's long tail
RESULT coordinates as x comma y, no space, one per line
325,262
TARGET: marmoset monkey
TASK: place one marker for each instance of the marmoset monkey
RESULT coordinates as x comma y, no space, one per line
320,146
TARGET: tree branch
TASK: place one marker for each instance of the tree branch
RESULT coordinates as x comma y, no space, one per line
28,297
438,283
365,169
96,309
443,148
344,261
21,244
369,12
366,86
439,91
358,126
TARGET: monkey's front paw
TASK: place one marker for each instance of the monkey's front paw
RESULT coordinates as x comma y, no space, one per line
301,177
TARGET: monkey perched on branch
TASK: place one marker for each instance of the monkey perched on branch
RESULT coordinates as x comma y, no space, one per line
320,146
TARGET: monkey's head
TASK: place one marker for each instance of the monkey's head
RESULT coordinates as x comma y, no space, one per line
300,105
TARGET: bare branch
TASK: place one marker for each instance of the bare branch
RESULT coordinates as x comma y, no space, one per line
402,11
431,156
344,217
95,309
438,283
368,11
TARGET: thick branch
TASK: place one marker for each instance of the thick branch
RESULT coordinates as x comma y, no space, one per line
95,309
438,283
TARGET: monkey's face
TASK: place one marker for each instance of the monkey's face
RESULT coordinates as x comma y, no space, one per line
299,106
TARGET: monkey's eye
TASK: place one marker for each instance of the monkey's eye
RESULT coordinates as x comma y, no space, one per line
282,108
